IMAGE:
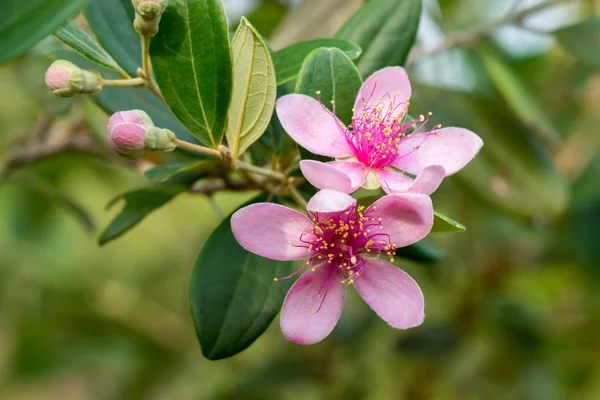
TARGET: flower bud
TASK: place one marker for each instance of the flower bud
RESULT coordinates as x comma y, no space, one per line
66,79
147,15
132,134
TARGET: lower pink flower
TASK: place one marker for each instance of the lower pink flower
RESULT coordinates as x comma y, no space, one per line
342,242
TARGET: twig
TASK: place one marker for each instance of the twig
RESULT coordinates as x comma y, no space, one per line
41,151
209,187
217,210
297,197
198,149
477,34
146,56
42,126
124,82
278,176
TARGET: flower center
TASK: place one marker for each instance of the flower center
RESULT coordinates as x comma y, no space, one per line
340,241
377,132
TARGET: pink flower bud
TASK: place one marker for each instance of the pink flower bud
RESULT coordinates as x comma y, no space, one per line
57,77
132,134
66,79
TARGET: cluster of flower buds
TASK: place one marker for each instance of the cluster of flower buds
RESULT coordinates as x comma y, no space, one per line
132,134
66,79
147,15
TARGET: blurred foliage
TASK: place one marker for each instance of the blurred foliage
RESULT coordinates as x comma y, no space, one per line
513,310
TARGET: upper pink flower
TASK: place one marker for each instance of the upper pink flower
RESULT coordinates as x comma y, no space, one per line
380,142
342,242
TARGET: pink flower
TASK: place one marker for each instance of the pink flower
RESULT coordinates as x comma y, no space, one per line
379,144
342,243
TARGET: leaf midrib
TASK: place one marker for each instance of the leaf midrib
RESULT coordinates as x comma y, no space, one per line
193,62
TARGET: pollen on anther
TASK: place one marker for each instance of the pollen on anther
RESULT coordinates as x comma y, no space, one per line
275,280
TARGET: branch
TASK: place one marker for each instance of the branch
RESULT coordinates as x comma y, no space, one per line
40,151
208,188
473,36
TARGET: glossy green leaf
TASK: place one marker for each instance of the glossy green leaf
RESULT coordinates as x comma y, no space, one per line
332,73
112,23
167,171
138,205
80,41
519,98
254,89
192,64
582,40
23,23
141,202
442,223
385,30
232,293
113,100
288,60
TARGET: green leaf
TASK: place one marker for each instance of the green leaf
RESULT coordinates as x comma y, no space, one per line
582,40
254,89
442,223
138,204
192,63
84,44
288,60
141,202
385,30
167,171
23,23
331,72
232,293
113,100
518,97
112,23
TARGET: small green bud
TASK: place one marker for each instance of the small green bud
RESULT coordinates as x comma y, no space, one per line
66,79
147,15
158,139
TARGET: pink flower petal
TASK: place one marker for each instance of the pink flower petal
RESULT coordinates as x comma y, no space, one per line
333,175
406,217
451,148
394,181
329,202
355,171
383,85
312,126
426,182
300,321
57,77
271,230
392,294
